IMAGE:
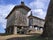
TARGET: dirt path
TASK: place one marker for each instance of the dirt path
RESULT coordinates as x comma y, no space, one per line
17,37
11,37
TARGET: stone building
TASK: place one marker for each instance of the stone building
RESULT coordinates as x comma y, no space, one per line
18,22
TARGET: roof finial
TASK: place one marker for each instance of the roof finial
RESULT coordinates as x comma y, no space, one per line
31,13
22,2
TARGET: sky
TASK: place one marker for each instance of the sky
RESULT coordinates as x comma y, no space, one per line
38,8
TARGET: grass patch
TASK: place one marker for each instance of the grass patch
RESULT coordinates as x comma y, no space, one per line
38,38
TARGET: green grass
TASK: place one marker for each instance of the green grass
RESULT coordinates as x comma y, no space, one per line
38,38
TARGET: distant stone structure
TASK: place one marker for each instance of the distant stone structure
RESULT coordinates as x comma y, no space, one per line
19,22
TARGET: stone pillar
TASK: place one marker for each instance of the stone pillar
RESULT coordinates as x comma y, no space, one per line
32,26
6,31
10,30
15,30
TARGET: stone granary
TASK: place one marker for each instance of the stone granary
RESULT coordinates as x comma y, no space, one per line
19,22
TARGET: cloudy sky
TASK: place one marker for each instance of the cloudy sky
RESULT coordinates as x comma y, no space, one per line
38,7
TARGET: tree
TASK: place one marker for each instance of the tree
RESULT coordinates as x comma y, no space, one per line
48,26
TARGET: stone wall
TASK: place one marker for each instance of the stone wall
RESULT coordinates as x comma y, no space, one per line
38,22
21,17
18,17
11,19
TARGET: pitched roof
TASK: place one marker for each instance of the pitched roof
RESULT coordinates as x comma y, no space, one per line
19,6
31,15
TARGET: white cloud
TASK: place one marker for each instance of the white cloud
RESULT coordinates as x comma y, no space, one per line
39,7
28,13
39,12
4,11
37,4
